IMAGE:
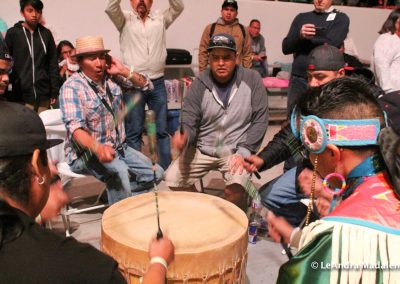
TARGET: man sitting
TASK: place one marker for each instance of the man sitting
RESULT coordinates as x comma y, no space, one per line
224,118
91,103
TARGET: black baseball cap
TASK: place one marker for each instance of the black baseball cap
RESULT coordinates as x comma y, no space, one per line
222,41
325,58
22,131
4,54
231,3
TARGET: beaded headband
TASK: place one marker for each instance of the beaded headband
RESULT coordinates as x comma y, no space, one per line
316,133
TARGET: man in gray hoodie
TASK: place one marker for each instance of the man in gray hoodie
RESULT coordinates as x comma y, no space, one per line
224,120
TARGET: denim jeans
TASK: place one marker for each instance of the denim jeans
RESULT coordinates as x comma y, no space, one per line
124,176
280,196
134,121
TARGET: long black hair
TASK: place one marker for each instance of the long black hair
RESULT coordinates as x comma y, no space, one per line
60,45
15,182
390,24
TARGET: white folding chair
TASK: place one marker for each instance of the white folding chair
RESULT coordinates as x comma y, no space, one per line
55,129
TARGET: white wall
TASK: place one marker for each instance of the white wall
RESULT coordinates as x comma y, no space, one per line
73,18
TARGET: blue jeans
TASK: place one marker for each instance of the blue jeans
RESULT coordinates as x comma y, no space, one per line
124,176
280,196
134,122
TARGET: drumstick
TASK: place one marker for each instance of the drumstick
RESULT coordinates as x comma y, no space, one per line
128,107
256,173
151,134
287,250
180,115
159,232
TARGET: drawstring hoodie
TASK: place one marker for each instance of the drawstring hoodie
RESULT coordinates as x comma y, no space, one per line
36,79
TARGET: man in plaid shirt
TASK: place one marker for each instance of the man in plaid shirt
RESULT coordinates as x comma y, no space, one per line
91,105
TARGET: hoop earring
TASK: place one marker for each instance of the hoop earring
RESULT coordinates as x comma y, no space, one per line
336,191
41,180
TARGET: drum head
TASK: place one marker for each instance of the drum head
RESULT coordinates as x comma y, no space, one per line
205,229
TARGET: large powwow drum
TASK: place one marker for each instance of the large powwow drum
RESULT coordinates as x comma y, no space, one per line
209,234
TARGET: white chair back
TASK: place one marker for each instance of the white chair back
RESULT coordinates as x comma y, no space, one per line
55,129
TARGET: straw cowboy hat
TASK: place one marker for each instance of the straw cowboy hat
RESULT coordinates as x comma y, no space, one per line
89,45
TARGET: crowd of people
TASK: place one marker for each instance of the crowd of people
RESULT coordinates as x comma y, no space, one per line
340,141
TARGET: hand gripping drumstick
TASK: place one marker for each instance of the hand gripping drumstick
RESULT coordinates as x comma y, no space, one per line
151,134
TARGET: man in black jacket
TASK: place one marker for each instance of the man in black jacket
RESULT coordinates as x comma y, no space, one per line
324,25
35,74
283,195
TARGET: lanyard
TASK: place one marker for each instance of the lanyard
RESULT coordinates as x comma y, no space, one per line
106,104
95,89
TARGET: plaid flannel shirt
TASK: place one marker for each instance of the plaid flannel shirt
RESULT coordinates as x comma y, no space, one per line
83,109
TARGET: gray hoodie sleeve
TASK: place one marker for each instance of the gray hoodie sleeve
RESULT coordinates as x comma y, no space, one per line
259,118
191,112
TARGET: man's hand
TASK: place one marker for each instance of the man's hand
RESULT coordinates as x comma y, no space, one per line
162,248
278,228
139,80
117,68
257,57
307,31
253,163
179,140
104,153
323,198
236,164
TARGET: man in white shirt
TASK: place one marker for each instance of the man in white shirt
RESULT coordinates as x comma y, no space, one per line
143,47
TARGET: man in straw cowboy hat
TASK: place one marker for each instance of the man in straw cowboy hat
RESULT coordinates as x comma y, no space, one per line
91,102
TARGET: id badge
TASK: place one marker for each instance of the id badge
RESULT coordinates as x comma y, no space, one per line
331,17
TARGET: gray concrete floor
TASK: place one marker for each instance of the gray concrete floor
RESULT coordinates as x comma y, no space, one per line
264,257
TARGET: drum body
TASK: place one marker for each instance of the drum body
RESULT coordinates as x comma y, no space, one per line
209,234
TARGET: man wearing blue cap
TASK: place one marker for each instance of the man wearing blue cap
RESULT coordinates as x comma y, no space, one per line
224,119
